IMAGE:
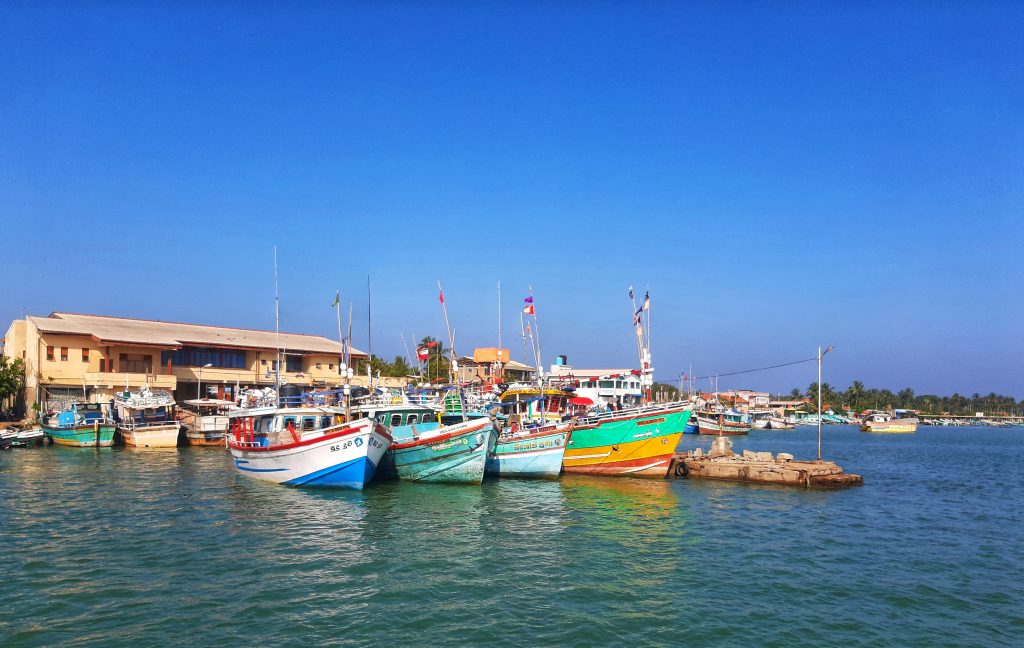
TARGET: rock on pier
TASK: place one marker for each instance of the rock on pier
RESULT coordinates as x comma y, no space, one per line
760,467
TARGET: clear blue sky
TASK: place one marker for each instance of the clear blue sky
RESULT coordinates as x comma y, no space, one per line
779,174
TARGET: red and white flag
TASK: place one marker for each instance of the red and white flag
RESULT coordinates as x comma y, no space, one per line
529,309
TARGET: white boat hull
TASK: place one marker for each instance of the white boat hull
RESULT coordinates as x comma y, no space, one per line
155,436
341,460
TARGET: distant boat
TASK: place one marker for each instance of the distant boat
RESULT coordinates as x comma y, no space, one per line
692,426
205,420
82,425
723,423
760,419
886,422
636,442
779,423
307,446
145,419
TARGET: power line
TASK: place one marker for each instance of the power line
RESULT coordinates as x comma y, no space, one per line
746,371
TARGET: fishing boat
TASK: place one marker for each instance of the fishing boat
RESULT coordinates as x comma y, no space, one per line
723,422
205,420
145,419
634,442
779,423
82,425
886,422
439,452
760,419
692,427
307,446
530,451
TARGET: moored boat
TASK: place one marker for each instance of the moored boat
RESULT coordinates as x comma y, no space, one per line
728,423
307,446
16,437
779,423
82,425
145,419
635,442
530,452
886,422
436,452
205,420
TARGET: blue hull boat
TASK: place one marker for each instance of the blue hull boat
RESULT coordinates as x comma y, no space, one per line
432,452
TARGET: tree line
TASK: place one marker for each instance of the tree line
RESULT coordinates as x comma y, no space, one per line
858,397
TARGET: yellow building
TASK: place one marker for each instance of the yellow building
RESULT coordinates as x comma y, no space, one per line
69,355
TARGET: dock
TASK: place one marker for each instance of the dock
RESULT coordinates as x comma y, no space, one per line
760,468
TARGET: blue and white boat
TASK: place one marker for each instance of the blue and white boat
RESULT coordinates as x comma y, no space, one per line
307,446
530,452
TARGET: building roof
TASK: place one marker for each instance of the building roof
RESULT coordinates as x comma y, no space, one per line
126,330
566,370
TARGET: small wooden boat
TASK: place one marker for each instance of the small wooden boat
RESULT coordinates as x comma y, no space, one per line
436,452
145,419
886,422
17,437
530,452
307,446
81,425
205,420
724,423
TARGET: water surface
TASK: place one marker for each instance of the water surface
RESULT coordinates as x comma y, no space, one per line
127,547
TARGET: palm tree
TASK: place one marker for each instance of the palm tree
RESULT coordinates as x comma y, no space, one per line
906,397
854,393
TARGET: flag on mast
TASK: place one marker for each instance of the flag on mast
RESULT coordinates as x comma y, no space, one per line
647,301
337,299
529,300
529,309
440,296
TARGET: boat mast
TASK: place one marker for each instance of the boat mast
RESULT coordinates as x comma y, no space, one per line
277,333
453,368
499,376
369,336
348,366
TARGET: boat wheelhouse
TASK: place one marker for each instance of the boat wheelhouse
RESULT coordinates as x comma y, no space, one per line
723,422
886,422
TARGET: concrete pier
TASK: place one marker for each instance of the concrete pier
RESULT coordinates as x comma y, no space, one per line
761,468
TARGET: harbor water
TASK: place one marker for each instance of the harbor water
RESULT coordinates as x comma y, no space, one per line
126,547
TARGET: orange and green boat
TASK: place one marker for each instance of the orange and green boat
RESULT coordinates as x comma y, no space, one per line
634,443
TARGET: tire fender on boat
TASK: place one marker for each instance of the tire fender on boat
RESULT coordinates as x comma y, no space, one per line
682,470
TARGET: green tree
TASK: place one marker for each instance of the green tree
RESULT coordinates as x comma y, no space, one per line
12,381
855,393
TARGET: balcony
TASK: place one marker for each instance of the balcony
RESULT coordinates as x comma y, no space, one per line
132,380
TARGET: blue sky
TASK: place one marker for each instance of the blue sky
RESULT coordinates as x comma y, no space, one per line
779,176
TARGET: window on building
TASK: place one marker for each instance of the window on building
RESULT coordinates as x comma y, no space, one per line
63,354
85,355
331,366
606,384
263,362
136,363
49,353
319,366
202,356
293,363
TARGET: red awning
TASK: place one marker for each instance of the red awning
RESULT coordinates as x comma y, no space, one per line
580,400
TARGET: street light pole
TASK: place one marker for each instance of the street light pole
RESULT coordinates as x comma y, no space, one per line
820,356
199,389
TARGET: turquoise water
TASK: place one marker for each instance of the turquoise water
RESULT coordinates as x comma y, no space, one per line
125,547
